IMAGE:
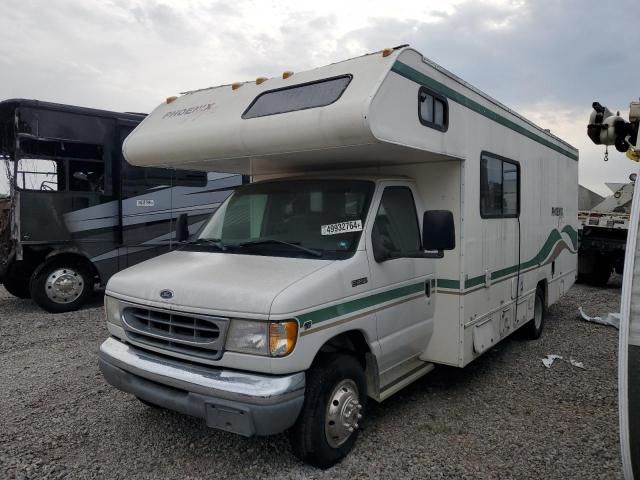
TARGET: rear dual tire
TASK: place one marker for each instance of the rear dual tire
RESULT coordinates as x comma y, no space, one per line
533,329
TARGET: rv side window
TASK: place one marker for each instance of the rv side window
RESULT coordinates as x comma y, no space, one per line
138,180
499,187
433,110
396,225
298,97
40,174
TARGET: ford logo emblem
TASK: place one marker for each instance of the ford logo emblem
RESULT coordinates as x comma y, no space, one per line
166,294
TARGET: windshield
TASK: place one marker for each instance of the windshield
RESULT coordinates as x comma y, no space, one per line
300,218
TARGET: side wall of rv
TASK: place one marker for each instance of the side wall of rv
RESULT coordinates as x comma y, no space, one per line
516,233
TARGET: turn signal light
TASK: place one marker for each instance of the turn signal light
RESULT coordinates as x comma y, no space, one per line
282,337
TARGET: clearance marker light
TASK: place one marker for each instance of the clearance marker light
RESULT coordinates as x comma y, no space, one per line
386,52
168,100
260,80
286,74
236,85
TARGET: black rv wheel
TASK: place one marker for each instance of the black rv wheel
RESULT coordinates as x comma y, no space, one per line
331,417
16,281
61,285
533,329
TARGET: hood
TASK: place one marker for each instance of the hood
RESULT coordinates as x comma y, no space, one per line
220,283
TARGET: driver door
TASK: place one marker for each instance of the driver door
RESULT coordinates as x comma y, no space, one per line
405,318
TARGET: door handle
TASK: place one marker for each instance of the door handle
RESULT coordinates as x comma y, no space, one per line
427,288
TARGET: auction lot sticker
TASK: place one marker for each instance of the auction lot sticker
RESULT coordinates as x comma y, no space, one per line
342,227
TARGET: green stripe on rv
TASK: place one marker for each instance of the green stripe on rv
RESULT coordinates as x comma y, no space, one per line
351,306
418,77
552,240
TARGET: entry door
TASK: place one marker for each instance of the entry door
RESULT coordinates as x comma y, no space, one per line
405,315
499,209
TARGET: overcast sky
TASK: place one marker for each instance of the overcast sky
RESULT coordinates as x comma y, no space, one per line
547,59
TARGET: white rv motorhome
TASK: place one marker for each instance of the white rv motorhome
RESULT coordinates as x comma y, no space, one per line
325,281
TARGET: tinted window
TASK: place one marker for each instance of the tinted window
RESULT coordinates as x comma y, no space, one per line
499,187
136,180
433,110
396,225
298,97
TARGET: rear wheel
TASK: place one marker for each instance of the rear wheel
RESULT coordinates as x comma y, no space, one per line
533,329
61,285
331,417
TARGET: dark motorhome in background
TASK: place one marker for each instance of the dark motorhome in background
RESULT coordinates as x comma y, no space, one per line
78,212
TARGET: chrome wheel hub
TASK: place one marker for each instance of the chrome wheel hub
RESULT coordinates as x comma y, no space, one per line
64,285
343,413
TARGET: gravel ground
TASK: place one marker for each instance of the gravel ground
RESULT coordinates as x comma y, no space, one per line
505,416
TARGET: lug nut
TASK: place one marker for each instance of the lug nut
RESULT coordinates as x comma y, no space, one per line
350,429
359,416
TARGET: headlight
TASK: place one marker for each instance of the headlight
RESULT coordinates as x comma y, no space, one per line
275,339
247,336
112,310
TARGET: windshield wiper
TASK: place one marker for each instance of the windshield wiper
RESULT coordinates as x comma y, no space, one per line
309,251
214,242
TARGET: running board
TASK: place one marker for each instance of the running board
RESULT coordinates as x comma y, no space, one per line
404,380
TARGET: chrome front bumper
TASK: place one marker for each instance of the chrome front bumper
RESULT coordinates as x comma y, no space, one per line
244,403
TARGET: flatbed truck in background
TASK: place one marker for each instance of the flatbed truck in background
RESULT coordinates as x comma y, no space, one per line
602,235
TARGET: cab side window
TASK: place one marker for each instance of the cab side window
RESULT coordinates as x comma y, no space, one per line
395,228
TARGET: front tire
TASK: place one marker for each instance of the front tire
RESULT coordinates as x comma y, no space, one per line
61,285
335,399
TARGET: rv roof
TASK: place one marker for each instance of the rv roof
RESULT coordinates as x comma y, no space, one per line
13,103
276,125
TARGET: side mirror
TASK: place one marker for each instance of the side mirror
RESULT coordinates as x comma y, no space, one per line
438,231
182,228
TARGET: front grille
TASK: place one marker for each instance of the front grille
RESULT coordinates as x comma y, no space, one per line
184,333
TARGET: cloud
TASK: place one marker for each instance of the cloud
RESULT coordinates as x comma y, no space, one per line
546,58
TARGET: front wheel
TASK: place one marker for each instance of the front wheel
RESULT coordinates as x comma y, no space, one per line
333,410
61,285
